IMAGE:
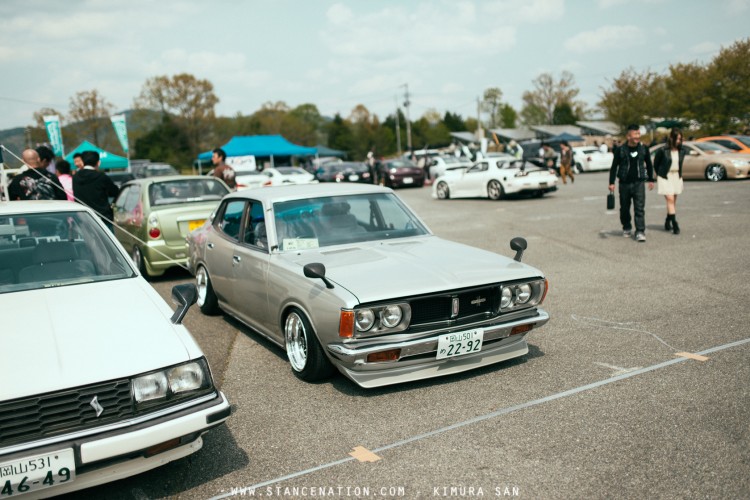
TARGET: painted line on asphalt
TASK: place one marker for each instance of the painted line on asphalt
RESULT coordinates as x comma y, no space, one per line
488,416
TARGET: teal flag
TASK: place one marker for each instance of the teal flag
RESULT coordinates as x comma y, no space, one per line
121,129
52,124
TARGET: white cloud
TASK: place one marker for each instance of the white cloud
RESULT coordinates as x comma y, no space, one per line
667,47
452,88
606,38
525,11
339,14
738,6
705,48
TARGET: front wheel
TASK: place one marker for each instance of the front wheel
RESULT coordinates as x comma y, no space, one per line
443,191
306,356
137,258
715,172
207,301
495,190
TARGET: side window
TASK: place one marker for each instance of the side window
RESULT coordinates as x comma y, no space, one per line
231,219
729,144
479,167
255,228
120,201
132,200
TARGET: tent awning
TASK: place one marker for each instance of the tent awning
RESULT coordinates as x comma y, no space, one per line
326,151
260,145
107,159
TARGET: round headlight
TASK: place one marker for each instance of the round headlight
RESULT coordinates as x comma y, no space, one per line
506,298
364,318
523,293
391,316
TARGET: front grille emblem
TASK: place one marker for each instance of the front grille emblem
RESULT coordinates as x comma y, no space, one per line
478,301
96,406
454,307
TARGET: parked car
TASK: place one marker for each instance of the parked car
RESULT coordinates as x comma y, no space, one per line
120,178
440,164
737,143
495,178
398,172
144,170
247,178
101,380
347,277
153,216
296,175
590,159
707,160
344,172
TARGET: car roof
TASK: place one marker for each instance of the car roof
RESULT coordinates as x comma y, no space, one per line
40,207
272,194
167,178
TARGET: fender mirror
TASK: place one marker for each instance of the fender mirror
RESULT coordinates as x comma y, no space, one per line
518,244
317,270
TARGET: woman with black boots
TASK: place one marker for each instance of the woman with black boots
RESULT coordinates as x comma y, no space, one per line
668,166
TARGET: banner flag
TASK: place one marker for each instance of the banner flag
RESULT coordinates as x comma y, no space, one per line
52,124
121,129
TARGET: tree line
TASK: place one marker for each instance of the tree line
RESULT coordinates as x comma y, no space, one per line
173,118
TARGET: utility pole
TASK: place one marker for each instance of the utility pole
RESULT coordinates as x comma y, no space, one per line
398,127
408,118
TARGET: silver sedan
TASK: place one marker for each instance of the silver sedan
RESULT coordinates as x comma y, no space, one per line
347,277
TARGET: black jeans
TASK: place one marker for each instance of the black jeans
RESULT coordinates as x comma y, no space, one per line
634,192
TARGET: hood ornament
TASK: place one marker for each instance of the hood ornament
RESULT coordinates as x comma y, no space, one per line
96,406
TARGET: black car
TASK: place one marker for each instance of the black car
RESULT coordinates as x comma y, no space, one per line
344,172
399,172
119,178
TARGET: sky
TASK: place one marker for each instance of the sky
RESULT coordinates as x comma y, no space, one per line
338,54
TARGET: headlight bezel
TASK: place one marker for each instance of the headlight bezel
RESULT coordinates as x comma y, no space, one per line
524,294
380,326
168,376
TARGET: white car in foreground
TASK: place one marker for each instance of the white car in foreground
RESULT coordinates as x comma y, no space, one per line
101,380
590,159
495,178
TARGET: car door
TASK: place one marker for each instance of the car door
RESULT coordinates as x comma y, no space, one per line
128,216
472,181
220,248
250,268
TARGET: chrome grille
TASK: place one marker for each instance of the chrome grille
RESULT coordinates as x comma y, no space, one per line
436,308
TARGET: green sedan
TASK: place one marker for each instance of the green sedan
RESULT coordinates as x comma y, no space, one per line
154,215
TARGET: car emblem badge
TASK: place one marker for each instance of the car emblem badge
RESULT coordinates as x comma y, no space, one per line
96,406
454,307
478,301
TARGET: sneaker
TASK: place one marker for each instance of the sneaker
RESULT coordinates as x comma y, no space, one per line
640,237
626,233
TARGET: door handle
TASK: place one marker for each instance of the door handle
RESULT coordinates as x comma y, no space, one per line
210,245
236,258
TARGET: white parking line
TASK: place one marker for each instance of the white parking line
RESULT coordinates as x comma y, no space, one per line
504,411
618,369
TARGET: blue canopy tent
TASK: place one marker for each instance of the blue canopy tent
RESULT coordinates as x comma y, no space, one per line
326,151
108,160
564,137
260,146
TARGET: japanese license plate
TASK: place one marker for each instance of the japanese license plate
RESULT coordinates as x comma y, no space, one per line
408,180
543,184
353,178
35,473
195,224
459,343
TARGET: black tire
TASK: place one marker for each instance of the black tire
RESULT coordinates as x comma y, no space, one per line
306,356
716,172
495,190
137,257
207,302
578,168
443,191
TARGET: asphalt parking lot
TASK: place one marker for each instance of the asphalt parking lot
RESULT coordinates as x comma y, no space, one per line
601,407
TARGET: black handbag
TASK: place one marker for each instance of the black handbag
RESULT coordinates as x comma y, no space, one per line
611,201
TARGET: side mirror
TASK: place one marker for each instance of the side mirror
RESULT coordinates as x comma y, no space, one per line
317,270
518,244
184,296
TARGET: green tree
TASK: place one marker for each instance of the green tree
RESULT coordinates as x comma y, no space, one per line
454,122
563,115
491,105
166,143
633,98
340,135
508,116
531,114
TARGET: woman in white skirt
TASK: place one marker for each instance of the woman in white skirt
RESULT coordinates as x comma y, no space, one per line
668,166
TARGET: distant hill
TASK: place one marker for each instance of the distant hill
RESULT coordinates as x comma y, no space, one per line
13,139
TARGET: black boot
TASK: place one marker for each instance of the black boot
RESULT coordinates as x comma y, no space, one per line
668,222
675,226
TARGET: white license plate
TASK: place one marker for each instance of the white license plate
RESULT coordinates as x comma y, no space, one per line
459,343
408,180
36,473
353,178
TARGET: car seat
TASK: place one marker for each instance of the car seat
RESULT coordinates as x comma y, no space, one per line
55,260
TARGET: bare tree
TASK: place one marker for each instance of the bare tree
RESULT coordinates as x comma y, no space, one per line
548,94
92,111
491,104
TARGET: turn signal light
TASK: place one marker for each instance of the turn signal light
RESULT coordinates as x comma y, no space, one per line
346,324
154,232
379,357
521,329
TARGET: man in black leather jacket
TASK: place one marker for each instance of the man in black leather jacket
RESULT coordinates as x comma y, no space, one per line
631,165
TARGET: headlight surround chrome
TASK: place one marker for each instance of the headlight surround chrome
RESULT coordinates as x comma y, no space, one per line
386,318
174,382
522,295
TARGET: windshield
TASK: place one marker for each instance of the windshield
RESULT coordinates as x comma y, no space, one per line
185,191
333,220
43,250
291,171
744,139
711,148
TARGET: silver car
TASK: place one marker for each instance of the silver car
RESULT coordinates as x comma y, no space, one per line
347,277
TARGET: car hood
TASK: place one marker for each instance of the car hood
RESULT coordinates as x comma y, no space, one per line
64,337
387,269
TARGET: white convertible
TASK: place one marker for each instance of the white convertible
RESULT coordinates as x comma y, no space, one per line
495,178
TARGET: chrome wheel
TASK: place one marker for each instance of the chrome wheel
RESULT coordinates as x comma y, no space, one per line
201,283
715,172
137,258
494,190
295,335
443,193
207,300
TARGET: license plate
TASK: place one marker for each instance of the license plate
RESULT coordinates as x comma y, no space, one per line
37,472
543,184
459,343
195,224
353,178
408,180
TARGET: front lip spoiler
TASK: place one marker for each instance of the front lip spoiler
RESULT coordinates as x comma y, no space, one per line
356,359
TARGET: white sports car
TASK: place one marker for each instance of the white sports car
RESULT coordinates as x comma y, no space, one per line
495,178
